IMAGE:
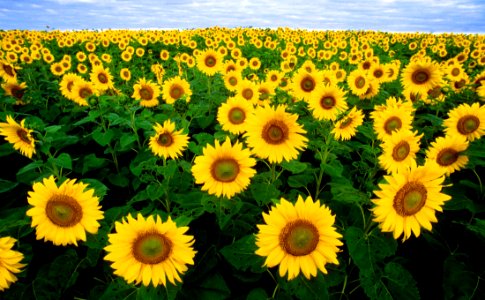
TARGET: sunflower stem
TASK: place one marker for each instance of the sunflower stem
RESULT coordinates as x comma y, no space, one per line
275,290
344,286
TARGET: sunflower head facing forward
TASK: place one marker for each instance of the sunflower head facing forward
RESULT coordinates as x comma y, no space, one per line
299,237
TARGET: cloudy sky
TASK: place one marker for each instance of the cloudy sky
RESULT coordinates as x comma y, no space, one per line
385,15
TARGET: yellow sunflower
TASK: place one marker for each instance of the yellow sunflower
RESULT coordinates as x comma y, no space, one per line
327,102
275,134
304,83
408,201
63,214
422,75
82,90
346,127
298,237
19,136
466,120
15,89
248,90
9,262
125,74
166,142
399,151
176,88
224,170
150,250
232,79
392,119
147,92
209,62
232,114
7,71
446,153
67,83
101,78
358,82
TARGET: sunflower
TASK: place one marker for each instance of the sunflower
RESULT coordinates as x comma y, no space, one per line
346,127
125,74
147,92
466,120
149,250
167,142
101,78
67,83
232,80
232,114
57,69
399,151
298,237
19,136
82,90
274,77
408,201
421,76
224,169
358,82
446,153
9,262
248,90
274,134
304,83
15,89
393,118
7,71
63,214
209,62
327,102
176,88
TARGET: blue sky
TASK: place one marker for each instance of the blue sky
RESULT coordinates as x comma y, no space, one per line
465,16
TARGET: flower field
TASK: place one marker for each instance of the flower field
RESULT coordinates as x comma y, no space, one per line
241,164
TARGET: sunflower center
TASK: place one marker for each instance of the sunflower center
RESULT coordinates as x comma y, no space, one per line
447,157
17,93
410,199
236,115
103,78
467,124
233,81
307,84
420,76
146,93
23,135
366,65
176,92
346,123
274,78
299,238
225,169
275,132
378,73
69,85
151,248
359,82
434,92
9,70
460,84
165,139
391,124
401,151
247,94
327,102
455,72
63,210
85,92
210,61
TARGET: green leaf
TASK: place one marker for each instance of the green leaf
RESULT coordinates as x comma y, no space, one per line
213,287
300,180
294,166
6,185
241,254
103,138
127,139
478,227
367,250
100,190
118,289
458,281
257,294
263,193
30,172
302,288
400,282
91,162
63,161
